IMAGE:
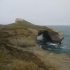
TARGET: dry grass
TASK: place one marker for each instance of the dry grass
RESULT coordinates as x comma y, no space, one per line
26,56
19,25
1,68
18,37
21,60
22,42
22,65
25,60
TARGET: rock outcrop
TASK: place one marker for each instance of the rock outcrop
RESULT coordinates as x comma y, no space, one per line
52,35
18,19
45,37
25,33
22,36
56,35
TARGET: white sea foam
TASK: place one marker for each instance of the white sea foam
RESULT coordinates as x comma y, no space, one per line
51,44
40,37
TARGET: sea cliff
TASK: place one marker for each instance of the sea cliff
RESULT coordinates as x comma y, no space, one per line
18,43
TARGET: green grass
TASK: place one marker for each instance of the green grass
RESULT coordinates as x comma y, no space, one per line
4,57
19,25
22,65
1,68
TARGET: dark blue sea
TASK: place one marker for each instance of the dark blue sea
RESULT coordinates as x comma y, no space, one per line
65,46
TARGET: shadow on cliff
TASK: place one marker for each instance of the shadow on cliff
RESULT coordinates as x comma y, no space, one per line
44,37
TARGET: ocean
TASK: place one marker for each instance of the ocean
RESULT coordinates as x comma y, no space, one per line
65,46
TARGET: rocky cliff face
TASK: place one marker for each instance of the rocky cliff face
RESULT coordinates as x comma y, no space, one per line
22,35
56,35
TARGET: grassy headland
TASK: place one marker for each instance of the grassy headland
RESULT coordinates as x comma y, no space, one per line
22,34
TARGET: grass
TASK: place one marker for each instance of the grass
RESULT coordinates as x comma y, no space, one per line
4,59
12,62
21,37
1,68
19,25
14,58
4,56
29,57
22,65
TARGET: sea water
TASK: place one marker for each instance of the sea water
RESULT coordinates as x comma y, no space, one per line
65,46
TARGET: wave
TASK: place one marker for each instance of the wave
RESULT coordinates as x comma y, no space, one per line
51,44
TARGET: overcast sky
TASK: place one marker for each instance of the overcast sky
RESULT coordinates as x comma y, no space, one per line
41,12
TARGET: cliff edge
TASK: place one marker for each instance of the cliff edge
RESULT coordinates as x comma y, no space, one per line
18,47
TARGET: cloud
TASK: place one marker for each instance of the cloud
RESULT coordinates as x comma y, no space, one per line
42,12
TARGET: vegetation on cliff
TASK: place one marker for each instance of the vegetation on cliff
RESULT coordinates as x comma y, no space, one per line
21,34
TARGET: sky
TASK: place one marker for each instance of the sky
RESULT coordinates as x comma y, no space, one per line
39,12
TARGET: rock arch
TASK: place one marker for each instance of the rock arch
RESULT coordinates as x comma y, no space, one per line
45,37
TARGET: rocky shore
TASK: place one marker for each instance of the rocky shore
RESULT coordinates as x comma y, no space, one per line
22,35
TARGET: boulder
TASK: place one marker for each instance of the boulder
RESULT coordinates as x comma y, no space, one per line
18,19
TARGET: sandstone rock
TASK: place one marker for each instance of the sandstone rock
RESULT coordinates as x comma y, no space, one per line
18,19
26,33
56,35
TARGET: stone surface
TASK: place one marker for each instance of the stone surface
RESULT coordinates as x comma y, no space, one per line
58,61
45,36
56,35
18,19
